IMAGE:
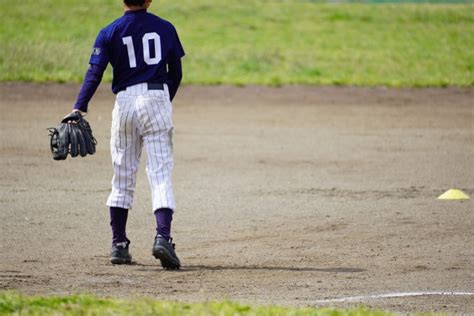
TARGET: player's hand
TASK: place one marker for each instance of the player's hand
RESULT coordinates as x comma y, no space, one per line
73,117
80,112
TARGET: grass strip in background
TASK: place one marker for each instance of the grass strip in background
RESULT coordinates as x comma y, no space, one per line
89,305
257,42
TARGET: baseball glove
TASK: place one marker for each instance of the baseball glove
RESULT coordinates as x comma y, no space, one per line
72,136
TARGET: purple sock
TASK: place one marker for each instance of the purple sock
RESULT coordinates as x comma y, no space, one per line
163,216
118,222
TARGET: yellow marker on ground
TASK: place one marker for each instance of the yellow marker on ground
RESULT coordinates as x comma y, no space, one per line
454,194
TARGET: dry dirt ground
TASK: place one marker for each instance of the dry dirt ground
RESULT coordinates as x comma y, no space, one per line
285,196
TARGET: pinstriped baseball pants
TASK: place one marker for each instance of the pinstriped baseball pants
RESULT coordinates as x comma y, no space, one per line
142,118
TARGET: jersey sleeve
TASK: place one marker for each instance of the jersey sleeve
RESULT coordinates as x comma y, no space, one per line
178,51
100,54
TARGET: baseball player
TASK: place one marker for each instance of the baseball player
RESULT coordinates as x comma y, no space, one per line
145,53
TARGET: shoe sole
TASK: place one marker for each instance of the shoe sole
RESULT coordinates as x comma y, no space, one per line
167,261
117,260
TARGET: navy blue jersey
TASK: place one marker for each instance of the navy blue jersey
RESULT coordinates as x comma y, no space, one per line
138,45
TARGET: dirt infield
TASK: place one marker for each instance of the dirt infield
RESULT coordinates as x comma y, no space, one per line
285,196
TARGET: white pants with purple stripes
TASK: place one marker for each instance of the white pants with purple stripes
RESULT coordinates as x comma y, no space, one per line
142,118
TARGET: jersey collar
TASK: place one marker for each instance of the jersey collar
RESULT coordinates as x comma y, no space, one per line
136,11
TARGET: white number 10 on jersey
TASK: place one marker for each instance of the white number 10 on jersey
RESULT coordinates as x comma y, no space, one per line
154,38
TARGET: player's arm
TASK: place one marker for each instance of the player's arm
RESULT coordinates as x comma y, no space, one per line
91,82
175,74
98,62
175,71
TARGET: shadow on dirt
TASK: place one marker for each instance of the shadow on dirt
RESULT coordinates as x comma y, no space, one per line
264,268
256,268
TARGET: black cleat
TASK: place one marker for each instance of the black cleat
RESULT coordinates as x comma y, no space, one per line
120,254
164,251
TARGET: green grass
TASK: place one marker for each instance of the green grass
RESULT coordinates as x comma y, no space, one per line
90,305
256,42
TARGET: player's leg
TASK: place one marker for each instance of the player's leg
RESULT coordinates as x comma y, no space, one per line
157,124
164,217
159,167
159,148
126,146
120,242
